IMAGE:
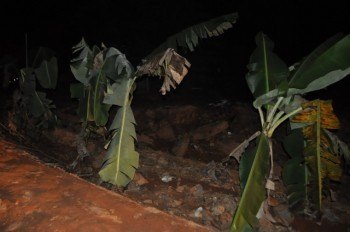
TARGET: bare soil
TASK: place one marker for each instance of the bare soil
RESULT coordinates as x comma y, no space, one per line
182,143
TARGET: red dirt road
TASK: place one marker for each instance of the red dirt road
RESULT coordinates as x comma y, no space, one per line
35,197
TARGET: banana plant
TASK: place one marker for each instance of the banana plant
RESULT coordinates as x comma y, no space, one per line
32,103
117,81
276,89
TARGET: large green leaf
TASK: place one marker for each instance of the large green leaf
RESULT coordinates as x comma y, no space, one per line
79,64
116,63
188,38
82,92
100,109
39,104
330,56
295,172
121,160
47,73
254,168
41,55
266,70
87,68
317,84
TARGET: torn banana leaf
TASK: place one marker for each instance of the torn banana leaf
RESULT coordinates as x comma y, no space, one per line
122,160
169,65
253,171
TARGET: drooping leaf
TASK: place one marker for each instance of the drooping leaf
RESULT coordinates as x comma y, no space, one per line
116,63
330,56
168,65
338,146
121,160
266,70
47,73
87,68
254,168
188,38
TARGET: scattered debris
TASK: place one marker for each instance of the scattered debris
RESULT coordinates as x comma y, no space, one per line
167,178
198,212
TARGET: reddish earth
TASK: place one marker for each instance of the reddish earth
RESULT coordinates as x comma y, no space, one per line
35,197
181,142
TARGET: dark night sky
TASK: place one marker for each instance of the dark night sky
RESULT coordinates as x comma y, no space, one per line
136,27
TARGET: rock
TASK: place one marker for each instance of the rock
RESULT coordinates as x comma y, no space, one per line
165,131
166,178
198,212
229,203
180,189
225,219
148,201
207,217
208,131
175,203
181,146
64,136
227,145
183,115
142,138
140,180
197,190
162,161
218,210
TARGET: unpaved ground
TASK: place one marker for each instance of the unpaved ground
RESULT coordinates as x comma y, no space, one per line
35,197
182,144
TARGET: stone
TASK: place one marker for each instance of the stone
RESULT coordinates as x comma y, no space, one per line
140,179
197,190
218,210
180,188
183,115
181,147
175,203
148,201
165,131
209,131
142,138
64,136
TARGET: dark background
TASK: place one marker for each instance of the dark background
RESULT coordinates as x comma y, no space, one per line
137,27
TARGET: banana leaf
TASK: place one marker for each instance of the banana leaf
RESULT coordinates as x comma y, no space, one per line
122,160
254,167
295,172
338,146
323,163
188,38
87,68
266,70
330,56
47,73
326,65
